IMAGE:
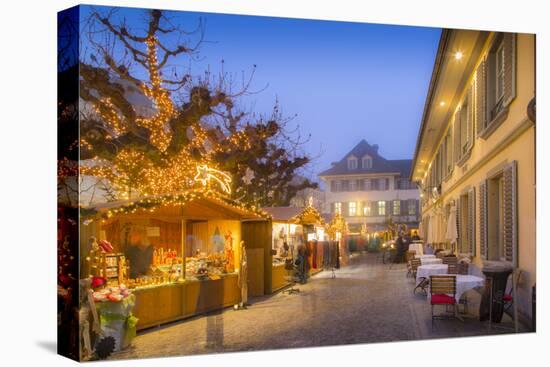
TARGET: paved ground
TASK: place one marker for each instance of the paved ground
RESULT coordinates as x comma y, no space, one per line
367,302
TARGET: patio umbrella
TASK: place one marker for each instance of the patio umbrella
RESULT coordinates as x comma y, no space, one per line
429,230
452,234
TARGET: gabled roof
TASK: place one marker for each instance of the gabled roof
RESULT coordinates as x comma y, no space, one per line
282,213
379,163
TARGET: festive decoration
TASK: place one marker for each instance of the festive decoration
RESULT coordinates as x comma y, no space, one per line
154,202
205,174
337,225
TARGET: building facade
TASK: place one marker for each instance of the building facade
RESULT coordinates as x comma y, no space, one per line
368,190
475,154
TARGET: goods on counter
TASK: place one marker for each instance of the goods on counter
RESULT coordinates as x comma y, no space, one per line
106,246
164,257
112,294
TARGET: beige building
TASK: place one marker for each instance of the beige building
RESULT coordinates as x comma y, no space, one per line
475,154
368,189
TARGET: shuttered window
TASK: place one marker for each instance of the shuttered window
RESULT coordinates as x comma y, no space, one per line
352,208
333,186
412,203
510,218
338,208
483,236
495,83
471,222
463,126
396,207
381,208
367,209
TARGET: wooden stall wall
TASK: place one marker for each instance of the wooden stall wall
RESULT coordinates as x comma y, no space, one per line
257,238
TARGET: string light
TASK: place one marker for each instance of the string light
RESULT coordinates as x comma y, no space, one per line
205,174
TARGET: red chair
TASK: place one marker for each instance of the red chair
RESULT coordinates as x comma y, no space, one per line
508,297
443,292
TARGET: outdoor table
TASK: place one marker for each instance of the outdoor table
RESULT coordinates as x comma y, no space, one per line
431,261
424,256
417,247
424,271
464,283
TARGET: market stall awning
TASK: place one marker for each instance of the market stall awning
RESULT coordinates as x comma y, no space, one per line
196,204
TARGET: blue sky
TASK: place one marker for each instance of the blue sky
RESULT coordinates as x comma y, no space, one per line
345,81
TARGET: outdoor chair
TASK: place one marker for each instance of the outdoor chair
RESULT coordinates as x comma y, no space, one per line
409,255
450,260
508,297
422,282
443,291
452,268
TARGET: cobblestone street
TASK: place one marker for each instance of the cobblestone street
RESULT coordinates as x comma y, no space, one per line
367,302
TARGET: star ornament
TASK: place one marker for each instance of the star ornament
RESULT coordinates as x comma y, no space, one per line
205,174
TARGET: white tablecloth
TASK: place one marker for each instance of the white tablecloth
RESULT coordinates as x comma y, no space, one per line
416,247
424,256
424,271
465,283
431,261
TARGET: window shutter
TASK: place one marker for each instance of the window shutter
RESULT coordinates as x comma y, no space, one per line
510,213
483,243
345,209
456,137
471,117
359,185
471,221
481,97
332,210
509,44
459,225
389,207
387,183
404,207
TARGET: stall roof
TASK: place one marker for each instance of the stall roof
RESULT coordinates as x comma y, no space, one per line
197,204
307,215
283,213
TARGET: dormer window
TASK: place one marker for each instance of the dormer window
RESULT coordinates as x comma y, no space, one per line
352,162
366,162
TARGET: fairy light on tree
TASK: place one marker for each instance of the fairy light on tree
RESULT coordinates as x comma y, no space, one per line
154,147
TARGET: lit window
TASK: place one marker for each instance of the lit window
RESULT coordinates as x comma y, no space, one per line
352,208
396,207
381,208
366,209
338,208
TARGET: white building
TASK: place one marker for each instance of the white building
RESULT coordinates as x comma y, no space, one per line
368,189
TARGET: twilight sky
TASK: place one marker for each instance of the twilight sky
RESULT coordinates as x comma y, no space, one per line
345,81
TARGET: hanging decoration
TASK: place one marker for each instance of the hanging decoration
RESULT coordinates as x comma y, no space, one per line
205,174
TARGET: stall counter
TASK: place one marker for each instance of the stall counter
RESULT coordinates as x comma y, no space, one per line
160,304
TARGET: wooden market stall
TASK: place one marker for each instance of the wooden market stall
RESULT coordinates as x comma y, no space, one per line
180,253
337,230
276,241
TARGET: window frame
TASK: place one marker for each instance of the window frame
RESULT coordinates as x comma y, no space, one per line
381,207
338,207
355,163
367,210
366,158
396,205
